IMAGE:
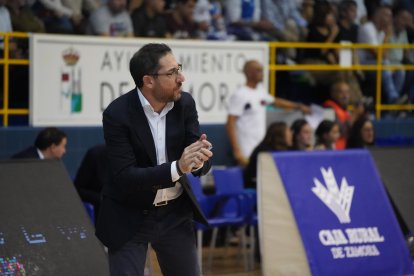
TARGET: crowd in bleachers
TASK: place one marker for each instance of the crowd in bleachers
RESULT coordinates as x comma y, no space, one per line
363,21
268,20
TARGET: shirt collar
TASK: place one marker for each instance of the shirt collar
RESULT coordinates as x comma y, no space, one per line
41,156
147,106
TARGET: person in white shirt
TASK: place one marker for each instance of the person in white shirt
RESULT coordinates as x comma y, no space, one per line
111,19
246,121
375,32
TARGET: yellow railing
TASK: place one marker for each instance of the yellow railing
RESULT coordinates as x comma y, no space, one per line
6,61
274,67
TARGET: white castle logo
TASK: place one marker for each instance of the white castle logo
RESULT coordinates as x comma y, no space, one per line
338,199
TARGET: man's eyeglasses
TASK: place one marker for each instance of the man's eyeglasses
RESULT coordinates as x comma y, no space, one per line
173,72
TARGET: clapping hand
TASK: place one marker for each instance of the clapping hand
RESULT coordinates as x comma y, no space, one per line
195,155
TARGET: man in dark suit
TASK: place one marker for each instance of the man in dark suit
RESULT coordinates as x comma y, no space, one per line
153,139
92,175
50,143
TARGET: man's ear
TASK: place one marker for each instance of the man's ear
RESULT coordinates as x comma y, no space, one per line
148,81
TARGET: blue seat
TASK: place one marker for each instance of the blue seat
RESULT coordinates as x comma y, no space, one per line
252,222
90,210
229,181
221,211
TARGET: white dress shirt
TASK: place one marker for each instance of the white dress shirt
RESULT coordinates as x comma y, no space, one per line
157,123
41,156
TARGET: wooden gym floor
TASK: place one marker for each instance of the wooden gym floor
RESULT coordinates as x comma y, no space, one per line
225,262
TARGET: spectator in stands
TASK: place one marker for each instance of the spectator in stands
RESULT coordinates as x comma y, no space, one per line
361,12
80,9
376,31
323,28
348,29
5,26
149,21
210,20
50,143
409,78
407,4
348,32
5,21
278,138
397,56
91,176
287,21
361,134
326,134
245,21
202,17
56,17
306,11
22,17
111,19
133,5
246,121
371,6
302,135
339,101
180,21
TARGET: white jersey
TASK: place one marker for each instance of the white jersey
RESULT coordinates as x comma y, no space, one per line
249,105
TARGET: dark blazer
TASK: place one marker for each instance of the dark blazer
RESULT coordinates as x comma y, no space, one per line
91,176
135,175
29,153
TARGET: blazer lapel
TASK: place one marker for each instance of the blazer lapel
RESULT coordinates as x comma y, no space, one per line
140,126
172,129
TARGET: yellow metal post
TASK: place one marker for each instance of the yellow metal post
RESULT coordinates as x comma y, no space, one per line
379,83
6,62
6,81
272,84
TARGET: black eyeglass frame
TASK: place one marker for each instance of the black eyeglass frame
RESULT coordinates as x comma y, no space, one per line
174,71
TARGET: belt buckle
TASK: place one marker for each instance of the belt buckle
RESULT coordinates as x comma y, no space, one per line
161,203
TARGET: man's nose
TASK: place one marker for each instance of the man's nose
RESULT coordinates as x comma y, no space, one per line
180,77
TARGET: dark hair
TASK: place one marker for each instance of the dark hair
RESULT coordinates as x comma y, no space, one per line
345,5
274,140
355,138
324,127
320,10
296,128
275,137
49,136
146,61
373,6
398,9
182,1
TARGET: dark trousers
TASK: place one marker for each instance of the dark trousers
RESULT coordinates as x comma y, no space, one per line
170,231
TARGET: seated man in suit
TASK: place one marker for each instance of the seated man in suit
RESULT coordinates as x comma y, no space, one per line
50,143
91,176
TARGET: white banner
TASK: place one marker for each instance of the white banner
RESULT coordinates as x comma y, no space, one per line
74,78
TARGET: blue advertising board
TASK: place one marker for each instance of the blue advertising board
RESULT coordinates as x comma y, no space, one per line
344,217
